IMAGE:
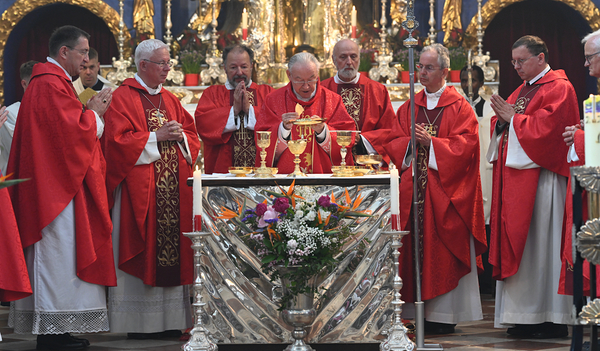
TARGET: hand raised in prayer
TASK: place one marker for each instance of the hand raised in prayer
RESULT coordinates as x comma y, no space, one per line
172,130
3,115
100,101
240,99
421,136
569,134
504,110
288,119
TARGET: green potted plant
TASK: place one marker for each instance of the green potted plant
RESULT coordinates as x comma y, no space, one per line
190,65
401,56
458,59
366,59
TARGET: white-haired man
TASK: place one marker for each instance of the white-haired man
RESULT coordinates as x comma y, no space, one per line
150,147
451,222
367,101
226,114
280,111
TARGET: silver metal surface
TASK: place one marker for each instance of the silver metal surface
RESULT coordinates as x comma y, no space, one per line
588,241
242,302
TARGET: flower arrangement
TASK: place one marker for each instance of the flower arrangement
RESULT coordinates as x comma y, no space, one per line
401,56
304,231
191,61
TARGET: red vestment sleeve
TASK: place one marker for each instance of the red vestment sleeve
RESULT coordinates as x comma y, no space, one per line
67,165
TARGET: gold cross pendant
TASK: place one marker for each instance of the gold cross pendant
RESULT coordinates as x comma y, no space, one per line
430,129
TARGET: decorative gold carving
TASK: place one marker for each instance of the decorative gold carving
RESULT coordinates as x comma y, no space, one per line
15,13
586,8
143,22
588,241
451,18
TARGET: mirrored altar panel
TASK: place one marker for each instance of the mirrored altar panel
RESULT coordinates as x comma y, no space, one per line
242,301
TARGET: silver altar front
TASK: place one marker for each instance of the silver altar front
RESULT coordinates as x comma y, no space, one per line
241,301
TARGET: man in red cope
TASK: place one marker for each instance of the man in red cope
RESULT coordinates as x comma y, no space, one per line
367,101
226,114
62,211
450,208
150,147
14,280
281,109
528,197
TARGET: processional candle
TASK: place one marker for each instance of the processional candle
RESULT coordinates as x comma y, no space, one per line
395,198
197,196
591,120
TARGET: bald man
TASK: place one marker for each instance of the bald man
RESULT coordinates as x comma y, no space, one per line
367,101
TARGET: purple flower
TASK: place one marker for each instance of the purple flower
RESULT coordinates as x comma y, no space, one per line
281,204
324,201
260,209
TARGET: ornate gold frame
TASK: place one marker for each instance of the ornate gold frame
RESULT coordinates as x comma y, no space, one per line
21,8
586,8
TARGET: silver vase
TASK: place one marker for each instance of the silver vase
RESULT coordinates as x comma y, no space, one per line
299,312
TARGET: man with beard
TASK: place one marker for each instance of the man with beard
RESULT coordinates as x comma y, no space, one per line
150,146
528,196
367,101
304,97
227,114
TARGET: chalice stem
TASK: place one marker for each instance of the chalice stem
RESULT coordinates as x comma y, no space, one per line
343,152
263,157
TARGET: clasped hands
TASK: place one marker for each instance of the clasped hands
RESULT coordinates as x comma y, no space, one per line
569,134
289,118
100,101
171,130
504,111
421,136
240,100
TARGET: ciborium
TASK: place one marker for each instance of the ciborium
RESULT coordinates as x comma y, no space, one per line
297,148
369,160
263,140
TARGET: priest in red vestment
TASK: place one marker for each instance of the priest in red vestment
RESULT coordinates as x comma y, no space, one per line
14,279
528,196
150,145
450,209
302,98
367,101
226,115
62,211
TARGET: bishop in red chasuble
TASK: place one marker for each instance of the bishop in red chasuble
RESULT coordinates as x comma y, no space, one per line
450,205
150,145
226,115
367,101
304,97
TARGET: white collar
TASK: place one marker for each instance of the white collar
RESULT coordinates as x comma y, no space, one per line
303,99
337,79
539,76
51,60
231,87
150,91
437,94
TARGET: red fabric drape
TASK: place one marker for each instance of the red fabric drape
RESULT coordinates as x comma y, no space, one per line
559,25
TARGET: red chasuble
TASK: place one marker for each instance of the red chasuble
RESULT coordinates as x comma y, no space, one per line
539,129
14,279
325,104
368,103
211,117
452,204
67,165
159,256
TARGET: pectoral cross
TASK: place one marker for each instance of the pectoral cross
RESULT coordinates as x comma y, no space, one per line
430,128
158,115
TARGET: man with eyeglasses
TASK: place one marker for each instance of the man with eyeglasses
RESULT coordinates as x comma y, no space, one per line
528,197
150,145
304,98
226,115
62,211
367,101
450,209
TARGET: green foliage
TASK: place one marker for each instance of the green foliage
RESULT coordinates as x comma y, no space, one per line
191,61
458,58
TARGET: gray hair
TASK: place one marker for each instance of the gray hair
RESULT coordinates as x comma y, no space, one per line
442,52
303,58
145,49
594,38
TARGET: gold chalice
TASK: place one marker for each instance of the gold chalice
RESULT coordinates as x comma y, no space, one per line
263,140
344,139
369,160
297,148
240,171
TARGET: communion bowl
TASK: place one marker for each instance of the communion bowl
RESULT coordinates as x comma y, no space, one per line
240,171
361,170
369,159
308,121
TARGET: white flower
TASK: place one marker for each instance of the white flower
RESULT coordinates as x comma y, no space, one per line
324,214
310,216
292,244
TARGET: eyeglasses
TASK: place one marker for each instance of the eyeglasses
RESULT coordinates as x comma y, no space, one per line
81,52
308,82
520,62
589,57
162,63
428,68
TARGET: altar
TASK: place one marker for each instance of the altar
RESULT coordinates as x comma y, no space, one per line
241,301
